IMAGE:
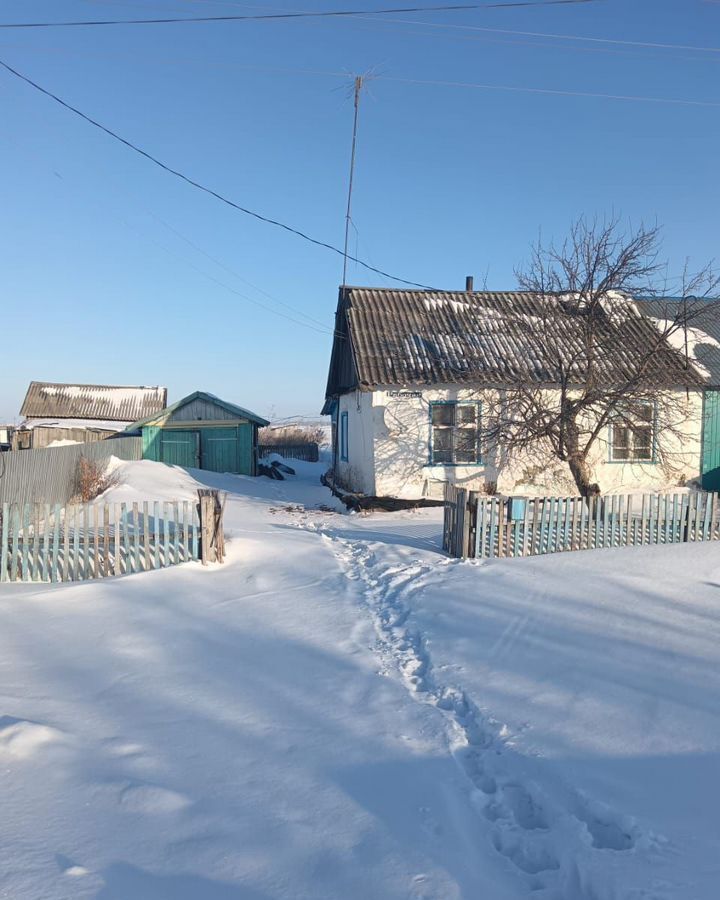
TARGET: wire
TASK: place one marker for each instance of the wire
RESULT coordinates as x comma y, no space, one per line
562,93
202,187
543,34
296,15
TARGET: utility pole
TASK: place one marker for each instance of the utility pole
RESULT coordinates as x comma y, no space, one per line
359,79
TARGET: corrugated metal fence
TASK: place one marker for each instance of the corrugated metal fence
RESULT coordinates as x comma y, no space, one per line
307,452
478,526
44,542
48,475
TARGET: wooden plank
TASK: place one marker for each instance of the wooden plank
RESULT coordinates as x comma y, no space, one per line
195,534
45,550
683,528
525,528
480,529
96,535
16,542
124,543
106,540
74,570
166,536
707,518
117,561
643,519
692,516
55,558
25,541
492,527
156,532
184,546
33,537
4,542
175,535
136,536
87,543
65,568
146,534
675,525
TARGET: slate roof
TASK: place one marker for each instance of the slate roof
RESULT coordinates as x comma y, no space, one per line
385,336
106,402
704,330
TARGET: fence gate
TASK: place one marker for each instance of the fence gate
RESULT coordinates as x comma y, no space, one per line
478,526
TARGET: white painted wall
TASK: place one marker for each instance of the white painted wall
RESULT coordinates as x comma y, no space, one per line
389,439
358,473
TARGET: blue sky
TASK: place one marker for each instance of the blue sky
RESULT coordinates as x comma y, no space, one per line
115,272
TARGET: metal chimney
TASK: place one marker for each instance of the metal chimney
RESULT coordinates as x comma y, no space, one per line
468,282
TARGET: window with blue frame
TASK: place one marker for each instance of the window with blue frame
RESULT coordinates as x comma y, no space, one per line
455,433
632,434
344,437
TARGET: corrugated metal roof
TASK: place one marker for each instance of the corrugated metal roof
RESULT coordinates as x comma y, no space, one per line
408,337
92,401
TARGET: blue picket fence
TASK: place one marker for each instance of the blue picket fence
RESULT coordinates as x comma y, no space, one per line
478,526
44,542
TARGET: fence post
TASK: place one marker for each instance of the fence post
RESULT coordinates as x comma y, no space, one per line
212,534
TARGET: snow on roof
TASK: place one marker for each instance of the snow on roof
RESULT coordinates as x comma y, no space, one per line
408,337
119,403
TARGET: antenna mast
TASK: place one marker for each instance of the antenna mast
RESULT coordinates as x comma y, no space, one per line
358,88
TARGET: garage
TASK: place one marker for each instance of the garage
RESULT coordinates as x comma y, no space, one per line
204,432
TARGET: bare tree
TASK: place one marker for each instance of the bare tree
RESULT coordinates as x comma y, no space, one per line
595,360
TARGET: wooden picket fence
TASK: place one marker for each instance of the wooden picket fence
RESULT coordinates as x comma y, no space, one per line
478,526
43,542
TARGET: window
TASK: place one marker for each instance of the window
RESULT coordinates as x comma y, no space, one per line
455,433
632,435
344,437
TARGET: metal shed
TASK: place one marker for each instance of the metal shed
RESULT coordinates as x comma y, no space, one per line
204,432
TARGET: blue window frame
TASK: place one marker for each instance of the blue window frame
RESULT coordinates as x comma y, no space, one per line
344,437
455,433
633,434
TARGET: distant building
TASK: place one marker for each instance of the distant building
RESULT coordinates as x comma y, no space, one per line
56,414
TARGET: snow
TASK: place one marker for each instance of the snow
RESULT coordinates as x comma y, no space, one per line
341,711
105,425
698,342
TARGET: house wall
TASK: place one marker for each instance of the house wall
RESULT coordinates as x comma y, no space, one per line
358,472
389,433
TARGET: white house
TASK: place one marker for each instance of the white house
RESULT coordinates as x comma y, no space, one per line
412,370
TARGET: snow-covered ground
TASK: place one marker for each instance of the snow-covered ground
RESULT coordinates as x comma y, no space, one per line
341,712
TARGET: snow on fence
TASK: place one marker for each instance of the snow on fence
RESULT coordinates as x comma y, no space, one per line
478,526
48,475
41,542
307,452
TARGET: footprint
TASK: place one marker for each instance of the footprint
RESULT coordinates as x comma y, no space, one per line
150,798
526,811
607,830
531,858
22,739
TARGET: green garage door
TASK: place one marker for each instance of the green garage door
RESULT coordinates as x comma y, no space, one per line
711,441
220,449
180,448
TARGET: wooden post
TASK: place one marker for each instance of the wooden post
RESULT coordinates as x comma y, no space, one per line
212,535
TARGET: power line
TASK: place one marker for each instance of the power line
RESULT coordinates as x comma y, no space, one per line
202,187
551,91
543,34
173,20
